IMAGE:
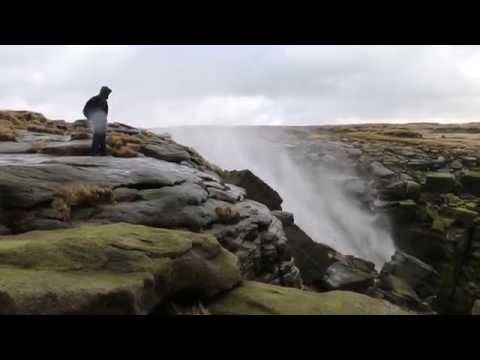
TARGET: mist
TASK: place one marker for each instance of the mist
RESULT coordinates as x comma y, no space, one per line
314,194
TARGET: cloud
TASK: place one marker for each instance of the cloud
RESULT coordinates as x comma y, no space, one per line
187,85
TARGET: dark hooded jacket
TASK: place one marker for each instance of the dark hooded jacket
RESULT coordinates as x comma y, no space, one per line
98,102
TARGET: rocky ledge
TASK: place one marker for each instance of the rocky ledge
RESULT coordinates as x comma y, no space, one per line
150,226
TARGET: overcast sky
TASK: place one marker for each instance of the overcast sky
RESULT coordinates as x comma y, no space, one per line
252,85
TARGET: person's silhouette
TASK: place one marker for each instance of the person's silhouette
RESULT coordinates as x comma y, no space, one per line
96,111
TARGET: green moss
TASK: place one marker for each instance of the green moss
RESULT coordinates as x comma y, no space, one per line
471,206
442,223
460,214
253,298
89,247
408,204
439,175
49,292
473,173
453,200
135,266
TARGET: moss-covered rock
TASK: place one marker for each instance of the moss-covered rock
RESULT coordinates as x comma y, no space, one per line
253,298
471,181
406,211
460,214
109,269
439,182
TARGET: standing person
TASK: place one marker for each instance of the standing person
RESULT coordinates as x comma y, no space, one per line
96,111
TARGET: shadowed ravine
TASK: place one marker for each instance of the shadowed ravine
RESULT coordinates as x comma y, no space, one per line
313,194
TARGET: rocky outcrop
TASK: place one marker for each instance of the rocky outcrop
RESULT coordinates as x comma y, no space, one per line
428,193
408,282
148,192
428,189
252,298
109,269
322,267
166,185
256,188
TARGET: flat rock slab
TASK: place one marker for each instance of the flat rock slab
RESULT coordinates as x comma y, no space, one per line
17,188
109,269
15,148
170,152
253,298
71,148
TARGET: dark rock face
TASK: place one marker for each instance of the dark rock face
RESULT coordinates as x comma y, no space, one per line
408,282
440,182
399,292
286,218
423,278
256,189
322,267
471,181
343,276
313,259
476,308
4,230
401,190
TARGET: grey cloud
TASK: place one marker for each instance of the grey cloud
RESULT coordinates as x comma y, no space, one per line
167,85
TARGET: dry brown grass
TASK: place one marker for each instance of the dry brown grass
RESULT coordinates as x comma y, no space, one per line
426,137
124,152
227,216
116,139
21,119
45,129
7,134
80,135
60,205
31,121
75,195
124,145
404,134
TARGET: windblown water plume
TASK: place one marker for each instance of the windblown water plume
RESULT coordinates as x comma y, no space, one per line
314,194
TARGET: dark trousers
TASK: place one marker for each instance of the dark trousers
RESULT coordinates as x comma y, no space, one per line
98,145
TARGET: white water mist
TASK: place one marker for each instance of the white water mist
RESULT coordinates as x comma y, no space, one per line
315,197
